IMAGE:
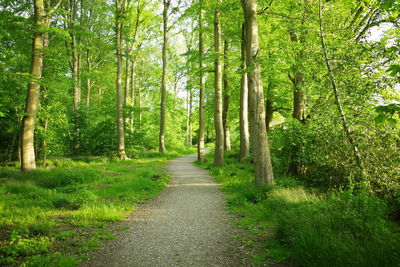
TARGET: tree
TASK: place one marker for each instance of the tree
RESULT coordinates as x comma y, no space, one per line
261,154
75,62
119,13
219,129
42,22
338,101
244,103
164,78
202,108
226,96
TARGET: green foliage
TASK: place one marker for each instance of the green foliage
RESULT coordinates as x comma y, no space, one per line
386,114
337,229
66,208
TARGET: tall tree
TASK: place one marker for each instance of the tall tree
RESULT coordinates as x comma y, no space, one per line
218,68
226,98
75,61
260,147
244,101
120,9
42,22
164,78
346,127
202,108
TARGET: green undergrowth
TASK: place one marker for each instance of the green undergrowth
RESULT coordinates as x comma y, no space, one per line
54,216
288,223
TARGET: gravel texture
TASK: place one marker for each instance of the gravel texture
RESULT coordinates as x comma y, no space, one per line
187,225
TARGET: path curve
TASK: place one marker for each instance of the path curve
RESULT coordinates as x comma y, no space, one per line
187,225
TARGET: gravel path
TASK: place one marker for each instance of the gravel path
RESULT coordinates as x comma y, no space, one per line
187,225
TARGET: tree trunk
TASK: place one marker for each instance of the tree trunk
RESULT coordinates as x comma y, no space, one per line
74,56
133,95
44,141
190,117
346,128
120,117
226,96
219,129
88,80
32,101
261,154
164,77
139,105
127,99
75,74
244,100
299,97
189,122
269,109
202,109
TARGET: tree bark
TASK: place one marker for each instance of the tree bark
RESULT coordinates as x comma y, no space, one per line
164,77
269,108
226,96
261,154
120,8
202,109
74,55
88,80
133,94
299,97
244,100
42,21
219,131
190,130
127,98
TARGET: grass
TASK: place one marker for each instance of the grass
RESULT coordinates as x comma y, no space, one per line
290,224
53,217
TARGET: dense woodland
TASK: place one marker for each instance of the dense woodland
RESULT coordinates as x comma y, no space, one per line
306,89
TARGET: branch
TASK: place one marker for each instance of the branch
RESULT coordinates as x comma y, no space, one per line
370,25
281,15
52,10
265,8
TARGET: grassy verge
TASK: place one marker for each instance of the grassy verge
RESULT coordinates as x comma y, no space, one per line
291,224
53,217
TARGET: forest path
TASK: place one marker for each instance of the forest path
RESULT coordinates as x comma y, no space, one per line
187,225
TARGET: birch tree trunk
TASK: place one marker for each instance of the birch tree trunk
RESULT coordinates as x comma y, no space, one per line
164,77
244,100
261,154
219,131
202,109
120,8
226,97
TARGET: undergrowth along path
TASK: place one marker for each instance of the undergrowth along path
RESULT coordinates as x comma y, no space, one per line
187,225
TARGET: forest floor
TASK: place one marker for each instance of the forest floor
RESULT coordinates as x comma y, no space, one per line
187,225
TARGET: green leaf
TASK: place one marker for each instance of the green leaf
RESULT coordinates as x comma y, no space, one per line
394,70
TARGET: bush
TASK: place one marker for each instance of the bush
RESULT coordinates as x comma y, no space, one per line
342,230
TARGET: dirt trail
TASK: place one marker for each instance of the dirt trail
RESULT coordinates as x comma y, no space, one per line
187,225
